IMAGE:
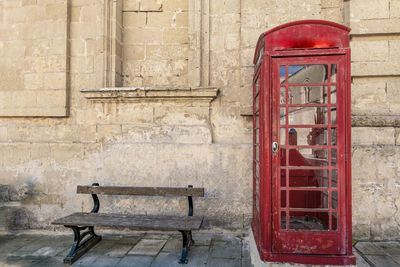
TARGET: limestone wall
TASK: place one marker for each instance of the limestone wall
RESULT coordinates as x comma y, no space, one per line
195,129
376,109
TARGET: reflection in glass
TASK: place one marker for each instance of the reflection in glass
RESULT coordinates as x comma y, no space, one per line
333,115
333,136
333,157
283,220
309,136
308,115
282,136
308,157
283,116
308,178
333,73
309,199
334,221
308,74
309,221
282,97
334,200
308,95
333,94
282,73
334,178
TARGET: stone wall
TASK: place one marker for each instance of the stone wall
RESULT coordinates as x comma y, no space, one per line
156,43
375,109
34,58
195,129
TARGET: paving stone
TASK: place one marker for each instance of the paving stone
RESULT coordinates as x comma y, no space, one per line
360,260
162,236
30,248
369,248
198,256
47,251
135,261
86,260
245,250
119,250
202,239
102,247
396,258
246,262
226,249
382,261
149,247
21,262
106,261
130,240
213,262
171,257
50,262
173,245
391,248
13,245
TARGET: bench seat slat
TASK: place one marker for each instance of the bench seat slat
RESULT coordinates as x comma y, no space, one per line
142,191
135,222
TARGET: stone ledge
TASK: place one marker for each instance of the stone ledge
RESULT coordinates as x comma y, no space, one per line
150,93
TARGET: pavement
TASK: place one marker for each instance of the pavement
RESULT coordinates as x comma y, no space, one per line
230,249
137,249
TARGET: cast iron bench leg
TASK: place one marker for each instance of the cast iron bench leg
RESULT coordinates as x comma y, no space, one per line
187,241
79,248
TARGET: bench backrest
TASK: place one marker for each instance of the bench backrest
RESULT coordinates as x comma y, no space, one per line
140,191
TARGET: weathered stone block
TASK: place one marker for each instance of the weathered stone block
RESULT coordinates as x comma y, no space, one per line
142,36
374,26
331,3
394,9
55,80
108,132
370,50
131,5
375,68
82,64
51,99
13,218
373,136
175,5
150,5
134,19
33,81
161,19
176,36
134,52
377,9
157,52
4,193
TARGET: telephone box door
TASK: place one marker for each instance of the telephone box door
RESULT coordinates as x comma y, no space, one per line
308,135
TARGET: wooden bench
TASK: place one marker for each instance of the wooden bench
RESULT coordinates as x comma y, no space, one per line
83,223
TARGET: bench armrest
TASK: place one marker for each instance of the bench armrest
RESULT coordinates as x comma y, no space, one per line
96,202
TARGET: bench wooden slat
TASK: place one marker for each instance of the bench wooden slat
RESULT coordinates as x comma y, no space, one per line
140,191
135,222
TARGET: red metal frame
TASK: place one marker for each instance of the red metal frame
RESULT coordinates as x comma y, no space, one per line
301,42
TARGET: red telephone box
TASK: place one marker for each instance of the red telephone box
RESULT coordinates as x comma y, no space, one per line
301,166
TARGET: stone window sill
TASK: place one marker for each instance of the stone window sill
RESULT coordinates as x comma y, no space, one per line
150,93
